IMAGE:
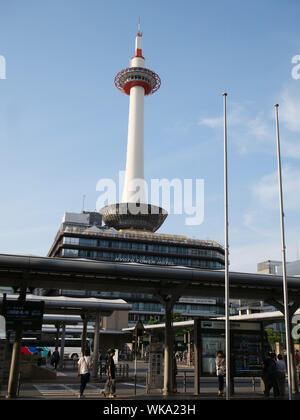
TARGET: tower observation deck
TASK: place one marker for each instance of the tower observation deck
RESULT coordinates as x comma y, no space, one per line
134,213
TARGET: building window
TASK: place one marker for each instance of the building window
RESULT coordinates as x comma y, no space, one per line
70,241
70,252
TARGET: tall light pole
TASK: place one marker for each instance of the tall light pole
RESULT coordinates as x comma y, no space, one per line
285,287
227,308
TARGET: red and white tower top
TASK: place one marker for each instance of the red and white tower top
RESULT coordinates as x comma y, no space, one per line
137,74
138,41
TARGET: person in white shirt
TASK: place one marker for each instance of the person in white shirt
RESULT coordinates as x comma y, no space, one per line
84,365
280,374
48,360
220,370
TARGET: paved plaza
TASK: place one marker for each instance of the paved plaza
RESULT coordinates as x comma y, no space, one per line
66,386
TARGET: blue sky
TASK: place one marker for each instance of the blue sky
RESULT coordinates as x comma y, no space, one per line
63,124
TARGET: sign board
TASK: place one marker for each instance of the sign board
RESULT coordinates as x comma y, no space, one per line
247,344
215,325
27,315
139,329
155,371
198,301
2,347
2,328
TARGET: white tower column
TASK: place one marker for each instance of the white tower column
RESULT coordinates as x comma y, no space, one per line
135,146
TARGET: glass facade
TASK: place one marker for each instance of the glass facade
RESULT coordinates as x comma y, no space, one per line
140,246
147,253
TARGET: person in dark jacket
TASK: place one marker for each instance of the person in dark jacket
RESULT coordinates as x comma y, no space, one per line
110,385
55,358
270,375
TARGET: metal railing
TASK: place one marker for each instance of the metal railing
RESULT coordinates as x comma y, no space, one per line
122,370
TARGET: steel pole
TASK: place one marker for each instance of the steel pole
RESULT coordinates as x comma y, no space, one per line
96,346
285,287
227,308
135,362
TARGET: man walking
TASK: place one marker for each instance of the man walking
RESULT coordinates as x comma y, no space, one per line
110,385
270,375
55,358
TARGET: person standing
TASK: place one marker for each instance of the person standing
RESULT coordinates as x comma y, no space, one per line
39,356
174,371
48,359
265,366
281,373
110,385
297,357
220,369
55,358
84,365
270,375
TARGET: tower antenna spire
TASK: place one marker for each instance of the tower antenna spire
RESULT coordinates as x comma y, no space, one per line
139,27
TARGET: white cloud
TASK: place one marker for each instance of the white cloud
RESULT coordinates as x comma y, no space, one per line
267,193
244,129
290,149
255,131
245,258
289,109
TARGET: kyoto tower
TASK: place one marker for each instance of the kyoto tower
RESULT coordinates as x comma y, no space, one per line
134,213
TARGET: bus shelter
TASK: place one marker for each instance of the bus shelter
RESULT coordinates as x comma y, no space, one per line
84,307
248,346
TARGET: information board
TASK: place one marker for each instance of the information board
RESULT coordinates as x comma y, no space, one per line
2,348
247,344
155,371
27,315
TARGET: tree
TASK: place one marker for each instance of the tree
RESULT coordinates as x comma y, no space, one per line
153,321
273,337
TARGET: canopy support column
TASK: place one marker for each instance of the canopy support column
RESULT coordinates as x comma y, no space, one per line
16,355
96,346
168,301
62,346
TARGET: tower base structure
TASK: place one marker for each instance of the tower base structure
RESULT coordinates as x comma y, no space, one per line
134,216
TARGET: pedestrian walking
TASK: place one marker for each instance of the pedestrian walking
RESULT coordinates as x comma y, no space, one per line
281,375
110,385
174,370
39,356
220,370
84,365
297,357
270,375
48,359
55,358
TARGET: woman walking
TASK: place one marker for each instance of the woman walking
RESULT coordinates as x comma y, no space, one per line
220,369
84,365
